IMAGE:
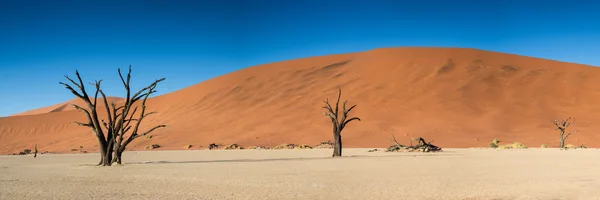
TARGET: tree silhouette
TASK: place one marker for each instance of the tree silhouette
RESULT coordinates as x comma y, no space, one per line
111,133
338,123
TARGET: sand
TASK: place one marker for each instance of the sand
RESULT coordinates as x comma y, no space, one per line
307,174
457,97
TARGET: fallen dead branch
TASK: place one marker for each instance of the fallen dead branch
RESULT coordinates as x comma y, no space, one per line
422,146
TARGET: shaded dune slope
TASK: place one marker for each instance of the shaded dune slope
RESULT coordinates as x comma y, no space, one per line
456,97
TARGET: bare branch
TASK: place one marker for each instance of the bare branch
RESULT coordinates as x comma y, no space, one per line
150,131
328,107
337,103
130,118
80,84
125,83
137,96
396,141
348,121
126,130
349,109
72,90
106,125
150,113
134,136
575,131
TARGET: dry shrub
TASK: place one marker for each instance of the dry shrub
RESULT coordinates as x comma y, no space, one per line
153,146
233,146
494,143
303,146
286,146
514,145
212,146
325,145
570,146
258,147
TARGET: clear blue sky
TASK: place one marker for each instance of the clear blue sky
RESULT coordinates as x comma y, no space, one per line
191,41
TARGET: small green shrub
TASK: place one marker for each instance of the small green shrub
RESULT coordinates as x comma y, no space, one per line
494,143
544,146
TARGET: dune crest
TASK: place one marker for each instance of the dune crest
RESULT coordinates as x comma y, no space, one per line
458,97
66,106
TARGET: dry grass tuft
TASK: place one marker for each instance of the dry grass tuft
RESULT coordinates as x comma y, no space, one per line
286,146
514,145
233,146
153,146
325,145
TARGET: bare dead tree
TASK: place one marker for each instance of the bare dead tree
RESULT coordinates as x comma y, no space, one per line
35,151
562,127
338,122
111,133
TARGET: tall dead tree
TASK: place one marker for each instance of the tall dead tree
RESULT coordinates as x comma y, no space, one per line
338,122
122,124
562,127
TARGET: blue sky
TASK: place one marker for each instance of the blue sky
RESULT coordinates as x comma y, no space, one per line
191,41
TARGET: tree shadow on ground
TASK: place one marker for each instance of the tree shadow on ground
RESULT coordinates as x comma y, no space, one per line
290,159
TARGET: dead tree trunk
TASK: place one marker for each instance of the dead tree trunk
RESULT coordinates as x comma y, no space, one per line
111,132
562,127
35,151
338,122
337,145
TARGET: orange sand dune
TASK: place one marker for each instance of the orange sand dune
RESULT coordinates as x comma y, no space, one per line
68,106
457,97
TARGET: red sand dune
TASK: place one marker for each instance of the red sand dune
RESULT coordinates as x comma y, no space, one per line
457,97
68,106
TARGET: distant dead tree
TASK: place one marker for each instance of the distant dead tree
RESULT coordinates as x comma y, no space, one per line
111,133
562,127
35,151
338,122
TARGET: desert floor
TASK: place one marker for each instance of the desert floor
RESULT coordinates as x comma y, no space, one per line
307,174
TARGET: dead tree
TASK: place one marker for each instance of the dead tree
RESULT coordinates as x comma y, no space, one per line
338,122
112,133
35,151
562,127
